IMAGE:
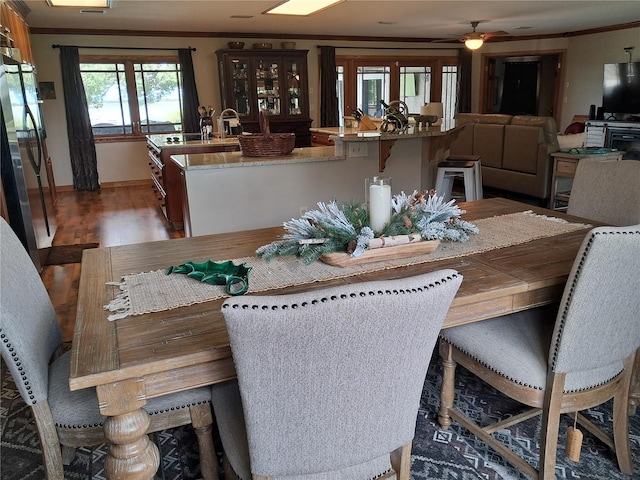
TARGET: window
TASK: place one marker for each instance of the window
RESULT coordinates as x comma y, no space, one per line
132,96
364,81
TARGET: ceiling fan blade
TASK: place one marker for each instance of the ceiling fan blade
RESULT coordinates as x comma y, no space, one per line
448,40
494,34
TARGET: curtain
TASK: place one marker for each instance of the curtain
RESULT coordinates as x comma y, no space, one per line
520,88
328,83
190,116
82,149
464,81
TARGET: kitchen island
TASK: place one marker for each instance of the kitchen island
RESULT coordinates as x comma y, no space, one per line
226,192
428,144
166,176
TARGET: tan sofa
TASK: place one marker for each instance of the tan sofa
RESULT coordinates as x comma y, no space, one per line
515,150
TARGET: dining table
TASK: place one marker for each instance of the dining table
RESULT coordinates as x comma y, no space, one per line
158,351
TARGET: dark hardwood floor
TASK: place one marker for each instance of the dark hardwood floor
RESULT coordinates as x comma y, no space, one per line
111,216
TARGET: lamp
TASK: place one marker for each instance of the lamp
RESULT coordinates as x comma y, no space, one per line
474,41
301,7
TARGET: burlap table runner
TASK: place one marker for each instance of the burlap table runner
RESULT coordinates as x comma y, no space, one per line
155,291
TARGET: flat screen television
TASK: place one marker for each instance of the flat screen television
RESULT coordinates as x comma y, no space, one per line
621,88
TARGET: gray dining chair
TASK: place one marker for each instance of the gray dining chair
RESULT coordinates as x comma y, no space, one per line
607,192
329,381
560,360
31,347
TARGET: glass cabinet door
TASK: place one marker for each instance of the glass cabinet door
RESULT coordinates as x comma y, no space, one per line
268,85
293,71
240,86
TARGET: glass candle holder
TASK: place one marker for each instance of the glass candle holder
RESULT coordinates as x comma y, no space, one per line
378,199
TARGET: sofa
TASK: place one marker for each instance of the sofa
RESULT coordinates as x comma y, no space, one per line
515,150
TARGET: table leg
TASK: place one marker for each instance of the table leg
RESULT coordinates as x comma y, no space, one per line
447,390
132,455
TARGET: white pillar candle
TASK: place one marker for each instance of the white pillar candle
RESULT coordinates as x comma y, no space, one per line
379,205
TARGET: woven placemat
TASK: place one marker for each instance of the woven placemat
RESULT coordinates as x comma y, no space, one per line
155,291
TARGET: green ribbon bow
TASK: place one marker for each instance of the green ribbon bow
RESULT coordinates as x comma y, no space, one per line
235,278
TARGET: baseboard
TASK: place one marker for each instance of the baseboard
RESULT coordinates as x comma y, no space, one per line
127,183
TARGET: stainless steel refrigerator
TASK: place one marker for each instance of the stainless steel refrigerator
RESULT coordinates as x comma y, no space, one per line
26,185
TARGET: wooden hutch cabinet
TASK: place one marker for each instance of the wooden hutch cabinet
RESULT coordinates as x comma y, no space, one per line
275,80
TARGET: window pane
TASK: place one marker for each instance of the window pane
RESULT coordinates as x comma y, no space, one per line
449,91
106,92
159,97
372,86
340,95
415,87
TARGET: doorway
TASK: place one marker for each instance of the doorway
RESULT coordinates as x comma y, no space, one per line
522,84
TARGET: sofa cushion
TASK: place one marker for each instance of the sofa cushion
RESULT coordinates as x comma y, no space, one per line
521,148
497,118
547,124
488,140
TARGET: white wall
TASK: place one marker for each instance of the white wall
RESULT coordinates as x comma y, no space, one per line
125,161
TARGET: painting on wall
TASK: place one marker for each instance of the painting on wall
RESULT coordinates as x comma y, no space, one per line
47,90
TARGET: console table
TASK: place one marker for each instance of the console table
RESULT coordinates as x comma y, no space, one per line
564,169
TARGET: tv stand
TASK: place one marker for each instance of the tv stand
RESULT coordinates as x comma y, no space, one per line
616,134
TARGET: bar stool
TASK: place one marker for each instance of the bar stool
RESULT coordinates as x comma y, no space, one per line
448,170
477,167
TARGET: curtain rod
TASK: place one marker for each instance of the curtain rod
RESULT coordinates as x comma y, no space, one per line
392,48
55,45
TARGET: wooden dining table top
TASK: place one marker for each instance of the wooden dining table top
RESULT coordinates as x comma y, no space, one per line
188,346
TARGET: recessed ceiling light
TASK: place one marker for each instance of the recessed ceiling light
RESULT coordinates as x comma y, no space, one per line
301,7
80,3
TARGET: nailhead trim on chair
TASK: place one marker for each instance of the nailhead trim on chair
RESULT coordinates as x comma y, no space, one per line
181,407
16,360
156,412
343,296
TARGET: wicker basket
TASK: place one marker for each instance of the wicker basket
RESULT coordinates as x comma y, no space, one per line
266,144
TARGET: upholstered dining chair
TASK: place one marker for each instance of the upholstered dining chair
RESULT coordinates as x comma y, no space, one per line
559,360
31,347
329,381
606,192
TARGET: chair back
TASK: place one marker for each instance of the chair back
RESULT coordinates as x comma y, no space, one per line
607,192
29,330
332,378
598,323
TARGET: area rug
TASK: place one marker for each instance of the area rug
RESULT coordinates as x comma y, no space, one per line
452,454
63,254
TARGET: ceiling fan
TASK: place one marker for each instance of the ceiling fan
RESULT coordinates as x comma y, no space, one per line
474,40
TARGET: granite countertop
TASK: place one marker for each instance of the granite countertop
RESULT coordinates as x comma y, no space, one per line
354,135
189,139
201,161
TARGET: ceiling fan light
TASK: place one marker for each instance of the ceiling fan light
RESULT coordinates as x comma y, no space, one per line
473,43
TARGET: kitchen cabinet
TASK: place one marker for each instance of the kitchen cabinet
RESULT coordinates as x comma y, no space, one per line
14,33
165,174
274,80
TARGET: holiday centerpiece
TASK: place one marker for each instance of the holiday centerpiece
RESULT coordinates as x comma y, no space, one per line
346,229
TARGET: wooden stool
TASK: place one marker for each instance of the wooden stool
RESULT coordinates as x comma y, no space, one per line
447,172
477,168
